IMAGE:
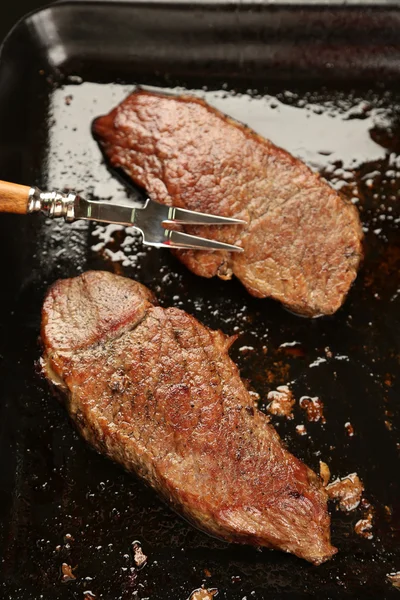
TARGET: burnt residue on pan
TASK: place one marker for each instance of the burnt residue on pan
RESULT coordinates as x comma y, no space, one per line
62,504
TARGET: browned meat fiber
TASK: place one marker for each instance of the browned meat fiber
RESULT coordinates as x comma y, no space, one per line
156,391
302,242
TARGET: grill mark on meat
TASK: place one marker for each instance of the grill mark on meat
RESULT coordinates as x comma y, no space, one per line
302,241
218,463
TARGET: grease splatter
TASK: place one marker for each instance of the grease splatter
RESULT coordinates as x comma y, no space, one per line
281,402
67,574
203,594
314,408
347,491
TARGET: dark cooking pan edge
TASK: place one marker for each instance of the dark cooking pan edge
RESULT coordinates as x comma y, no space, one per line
320,32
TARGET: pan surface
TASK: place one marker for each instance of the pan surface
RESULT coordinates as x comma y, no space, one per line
306,78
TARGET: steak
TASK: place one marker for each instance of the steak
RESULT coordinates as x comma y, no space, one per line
155,390
302,242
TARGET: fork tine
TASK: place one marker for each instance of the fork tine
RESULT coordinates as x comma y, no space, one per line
177,239
191,217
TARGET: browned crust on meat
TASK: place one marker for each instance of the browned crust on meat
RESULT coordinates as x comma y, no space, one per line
160,395
302,245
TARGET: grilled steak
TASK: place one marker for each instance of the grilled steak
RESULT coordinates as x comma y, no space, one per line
302,244
156,391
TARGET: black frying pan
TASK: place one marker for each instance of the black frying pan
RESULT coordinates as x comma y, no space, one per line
334,60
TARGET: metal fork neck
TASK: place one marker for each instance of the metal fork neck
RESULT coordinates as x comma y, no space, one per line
52,204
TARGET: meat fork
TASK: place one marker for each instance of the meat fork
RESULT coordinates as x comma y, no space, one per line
152,220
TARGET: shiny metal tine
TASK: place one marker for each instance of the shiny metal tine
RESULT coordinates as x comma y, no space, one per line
177,239
190,217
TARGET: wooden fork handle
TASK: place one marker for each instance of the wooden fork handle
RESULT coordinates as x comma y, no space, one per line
14,198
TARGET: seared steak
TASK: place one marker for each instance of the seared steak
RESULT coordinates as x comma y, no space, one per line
156,391
302,244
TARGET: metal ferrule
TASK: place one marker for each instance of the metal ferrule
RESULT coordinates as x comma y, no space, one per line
52,204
